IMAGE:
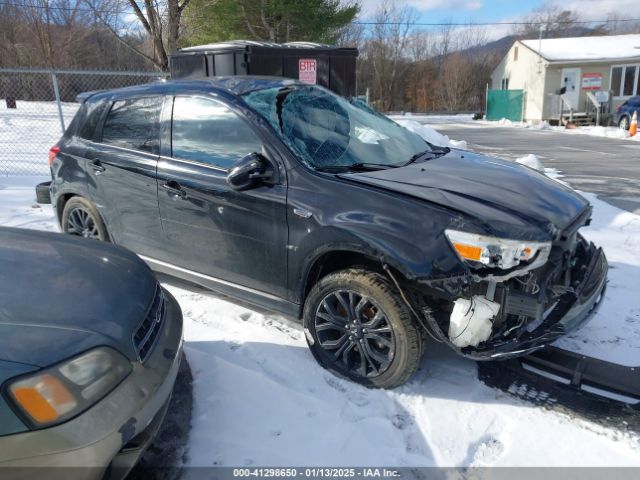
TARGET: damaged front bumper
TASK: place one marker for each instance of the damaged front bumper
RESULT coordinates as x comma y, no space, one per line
570,310
535,308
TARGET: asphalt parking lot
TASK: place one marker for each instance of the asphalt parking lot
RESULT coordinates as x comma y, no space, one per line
607,167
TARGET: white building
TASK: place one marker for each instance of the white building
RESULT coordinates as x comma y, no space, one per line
581,64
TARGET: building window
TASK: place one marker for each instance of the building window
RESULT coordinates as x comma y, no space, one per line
515,54
624,81
504,85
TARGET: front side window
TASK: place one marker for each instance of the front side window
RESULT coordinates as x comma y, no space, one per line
134,123
206,131
325,130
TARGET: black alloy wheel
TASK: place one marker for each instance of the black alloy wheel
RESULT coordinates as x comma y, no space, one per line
358,327
353,329
81,218
80,222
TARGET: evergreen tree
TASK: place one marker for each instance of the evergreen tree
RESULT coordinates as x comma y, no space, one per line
267,20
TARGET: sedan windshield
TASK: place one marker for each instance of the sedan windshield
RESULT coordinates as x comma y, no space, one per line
326,131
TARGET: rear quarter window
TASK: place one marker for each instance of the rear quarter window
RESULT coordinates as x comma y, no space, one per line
134,123
92,113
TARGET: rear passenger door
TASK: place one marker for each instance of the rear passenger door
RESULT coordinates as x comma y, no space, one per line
121,166
210,228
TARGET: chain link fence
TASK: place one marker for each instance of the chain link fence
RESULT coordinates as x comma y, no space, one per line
36,105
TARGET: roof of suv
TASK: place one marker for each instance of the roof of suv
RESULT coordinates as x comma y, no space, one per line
235,85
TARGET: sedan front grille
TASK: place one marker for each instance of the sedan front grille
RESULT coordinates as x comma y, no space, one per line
148,331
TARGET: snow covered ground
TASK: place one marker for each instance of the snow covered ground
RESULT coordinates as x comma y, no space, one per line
594,131
27,133
436,118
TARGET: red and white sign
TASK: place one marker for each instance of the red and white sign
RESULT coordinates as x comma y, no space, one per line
591,81
307,70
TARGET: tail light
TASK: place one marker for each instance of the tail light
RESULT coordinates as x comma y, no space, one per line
619,108
53,151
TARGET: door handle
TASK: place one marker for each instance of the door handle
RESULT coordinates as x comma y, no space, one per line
97,167
174,189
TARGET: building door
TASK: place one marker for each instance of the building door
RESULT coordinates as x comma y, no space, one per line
571,80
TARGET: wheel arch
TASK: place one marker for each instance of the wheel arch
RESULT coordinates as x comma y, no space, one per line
340,258
63,198
61,201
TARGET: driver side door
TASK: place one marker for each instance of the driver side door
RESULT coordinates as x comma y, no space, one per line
234,236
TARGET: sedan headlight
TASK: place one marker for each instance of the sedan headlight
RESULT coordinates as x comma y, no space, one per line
495,252
56,394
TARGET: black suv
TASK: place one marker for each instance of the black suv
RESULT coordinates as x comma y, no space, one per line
289,197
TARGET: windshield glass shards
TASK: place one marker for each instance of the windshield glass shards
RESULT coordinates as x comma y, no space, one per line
328,132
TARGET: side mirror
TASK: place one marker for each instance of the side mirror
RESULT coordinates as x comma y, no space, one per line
249,171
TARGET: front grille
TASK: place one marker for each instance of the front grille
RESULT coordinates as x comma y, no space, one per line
147,332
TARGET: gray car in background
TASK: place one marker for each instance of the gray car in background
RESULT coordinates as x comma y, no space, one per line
90,346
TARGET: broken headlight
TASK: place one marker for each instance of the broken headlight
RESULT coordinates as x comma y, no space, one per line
495,252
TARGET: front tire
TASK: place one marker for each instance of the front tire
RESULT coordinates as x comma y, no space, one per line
624,123
80,217
358,327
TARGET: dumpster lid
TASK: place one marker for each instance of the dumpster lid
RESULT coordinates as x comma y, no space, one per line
248,44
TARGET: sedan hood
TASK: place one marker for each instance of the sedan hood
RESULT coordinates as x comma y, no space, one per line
61,295
509,199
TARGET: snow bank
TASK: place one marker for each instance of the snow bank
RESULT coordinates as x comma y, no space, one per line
531,161
423,118
594,131
431,135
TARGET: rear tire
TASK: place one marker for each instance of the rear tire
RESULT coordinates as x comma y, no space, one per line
81,218
358,327
624,123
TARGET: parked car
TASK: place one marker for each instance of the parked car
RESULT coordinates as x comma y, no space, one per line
90,346
623,114
289,197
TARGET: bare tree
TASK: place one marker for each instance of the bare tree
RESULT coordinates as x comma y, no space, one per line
160,21
386,52
617,25
555,21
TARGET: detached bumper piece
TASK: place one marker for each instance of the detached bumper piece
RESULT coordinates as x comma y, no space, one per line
587,374
604,392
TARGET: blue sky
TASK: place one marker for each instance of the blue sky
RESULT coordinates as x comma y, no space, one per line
461,10
479,11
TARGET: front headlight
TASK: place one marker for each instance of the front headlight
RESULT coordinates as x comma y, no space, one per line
495,252
56,394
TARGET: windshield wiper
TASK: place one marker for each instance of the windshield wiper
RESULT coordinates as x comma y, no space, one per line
433,153
356,167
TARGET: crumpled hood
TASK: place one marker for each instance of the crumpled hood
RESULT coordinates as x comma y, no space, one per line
507,198
61,295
